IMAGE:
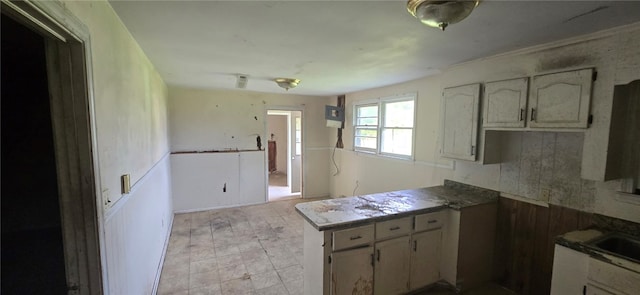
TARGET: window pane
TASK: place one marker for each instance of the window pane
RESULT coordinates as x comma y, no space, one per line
365,142
298,136
367,121
366,132
298,148
367,111
396,141
399,114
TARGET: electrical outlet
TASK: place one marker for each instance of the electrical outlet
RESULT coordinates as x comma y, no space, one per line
545,194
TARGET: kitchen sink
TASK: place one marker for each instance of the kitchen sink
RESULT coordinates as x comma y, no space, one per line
620,245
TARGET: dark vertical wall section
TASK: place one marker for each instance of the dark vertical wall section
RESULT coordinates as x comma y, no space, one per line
525,235
32,253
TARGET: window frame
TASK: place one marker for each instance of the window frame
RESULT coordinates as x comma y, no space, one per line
381,104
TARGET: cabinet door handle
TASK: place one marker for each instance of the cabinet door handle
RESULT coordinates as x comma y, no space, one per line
432,221
355,238
521,114
473,150
533,114
378,252
415,246
394,228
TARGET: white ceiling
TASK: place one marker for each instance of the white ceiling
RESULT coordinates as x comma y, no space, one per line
337,47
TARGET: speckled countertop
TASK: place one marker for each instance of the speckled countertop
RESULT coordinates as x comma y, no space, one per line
584,241
342,212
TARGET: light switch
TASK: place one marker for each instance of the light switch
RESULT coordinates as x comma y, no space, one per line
126,183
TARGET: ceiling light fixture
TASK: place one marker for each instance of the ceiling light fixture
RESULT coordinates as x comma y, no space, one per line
440,14
287,83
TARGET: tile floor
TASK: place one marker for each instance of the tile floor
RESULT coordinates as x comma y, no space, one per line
245,250
278,188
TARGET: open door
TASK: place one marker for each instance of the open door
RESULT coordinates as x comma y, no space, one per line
296,152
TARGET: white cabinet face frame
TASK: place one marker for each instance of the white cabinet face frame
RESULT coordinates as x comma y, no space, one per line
561,100
460,108
505,103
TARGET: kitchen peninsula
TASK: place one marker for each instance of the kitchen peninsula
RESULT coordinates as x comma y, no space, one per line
401,241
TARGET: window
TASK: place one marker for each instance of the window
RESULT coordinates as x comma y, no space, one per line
386,126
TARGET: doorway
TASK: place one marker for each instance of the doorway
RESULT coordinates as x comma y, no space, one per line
50,236
284,149
32,248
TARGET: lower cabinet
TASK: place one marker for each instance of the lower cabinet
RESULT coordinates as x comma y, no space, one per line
397,256
352,271
425,258
392,266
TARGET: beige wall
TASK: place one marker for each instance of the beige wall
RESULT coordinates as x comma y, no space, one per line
131,129
602,51
202,119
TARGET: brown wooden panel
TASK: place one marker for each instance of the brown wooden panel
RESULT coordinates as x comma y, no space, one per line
502,254
525,239
541,270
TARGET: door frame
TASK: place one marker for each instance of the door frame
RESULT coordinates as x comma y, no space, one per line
300,109
69,71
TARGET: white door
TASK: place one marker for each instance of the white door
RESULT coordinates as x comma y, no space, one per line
505,103
425,258
296,151
391,273
352,272
460,122
561,100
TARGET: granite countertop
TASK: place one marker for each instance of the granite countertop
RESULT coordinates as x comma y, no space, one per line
342,212
583,241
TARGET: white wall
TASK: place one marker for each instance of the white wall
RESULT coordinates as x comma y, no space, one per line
131,130
204,120
603,51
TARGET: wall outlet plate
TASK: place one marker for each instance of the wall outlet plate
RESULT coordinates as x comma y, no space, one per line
545,194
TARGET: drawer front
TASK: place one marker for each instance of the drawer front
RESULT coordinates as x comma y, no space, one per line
351,237
429,221
393,228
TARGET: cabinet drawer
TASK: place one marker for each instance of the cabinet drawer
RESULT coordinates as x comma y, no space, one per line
429,221
393,228
351,237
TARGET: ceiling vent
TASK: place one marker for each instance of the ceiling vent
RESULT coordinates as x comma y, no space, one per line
241,82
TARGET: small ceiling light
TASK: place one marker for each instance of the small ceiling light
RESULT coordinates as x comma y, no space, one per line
440,14
287,83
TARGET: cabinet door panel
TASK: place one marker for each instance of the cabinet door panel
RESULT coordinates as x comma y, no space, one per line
505,103
391,275
561,100
425,258
352,272
460,122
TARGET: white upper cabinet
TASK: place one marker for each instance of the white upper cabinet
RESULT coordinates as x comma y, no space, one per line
505,103
460,122
561,100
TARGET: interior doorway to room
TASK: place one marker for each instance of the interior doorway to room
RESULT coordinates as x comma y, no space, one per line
50,237
32,248
284,149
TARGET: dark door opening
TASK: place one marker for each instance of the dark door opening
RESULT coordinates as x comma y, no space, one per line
32,246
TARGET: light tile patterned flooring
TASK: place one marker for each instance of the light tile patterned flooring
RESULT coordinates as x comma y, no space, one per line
245,250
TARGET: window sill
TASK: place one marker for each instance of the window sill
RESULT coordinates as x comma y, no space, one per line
384,156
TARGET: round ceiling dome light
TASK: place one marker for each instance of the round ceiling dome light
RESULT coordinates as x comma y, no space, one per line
440,14
287,83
